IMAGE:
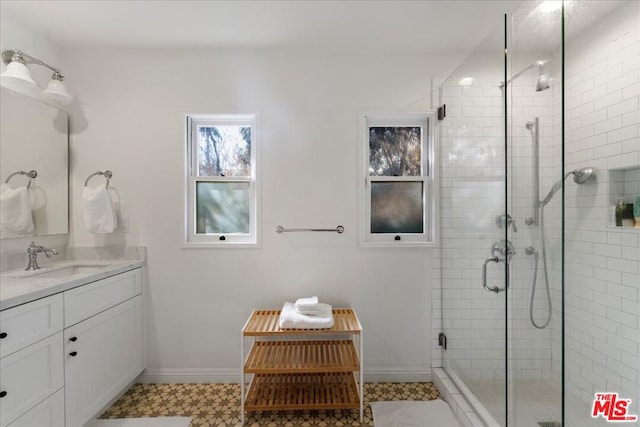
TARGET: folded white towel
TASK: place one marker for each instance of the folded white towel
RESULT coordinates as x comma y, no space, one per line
291,319
308,302
16,218
98,210
317,311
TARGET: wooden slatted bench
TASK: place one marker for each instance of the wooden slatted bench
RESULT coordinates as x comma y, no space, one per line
302,368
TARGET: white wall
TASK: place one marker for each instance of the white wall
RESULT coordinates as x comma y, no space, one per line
15,33
129,120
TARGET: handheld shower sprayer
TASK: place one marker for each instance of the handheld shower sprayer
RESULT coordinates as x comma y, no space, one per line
580,176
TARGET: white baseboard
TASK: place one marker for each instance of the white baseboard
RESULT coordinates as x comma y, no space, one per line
189,376
228,375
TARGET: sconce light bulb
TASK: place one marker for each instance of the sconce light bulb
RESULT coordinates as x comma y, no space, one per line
17,72
57,91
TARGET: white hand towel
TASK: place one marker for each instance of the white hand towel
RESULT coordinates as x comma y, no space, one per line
291,319
308,302
16,218
98,210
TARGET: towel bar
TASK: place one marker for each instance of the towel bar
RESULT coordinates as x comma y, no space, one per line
280,229
32,174
107,174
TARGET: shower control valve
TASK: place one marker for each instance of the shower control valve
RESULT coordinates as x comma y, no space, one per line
504,221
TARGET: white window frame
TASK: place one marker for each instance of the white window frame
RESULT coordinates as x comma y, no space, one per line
427,121
193,239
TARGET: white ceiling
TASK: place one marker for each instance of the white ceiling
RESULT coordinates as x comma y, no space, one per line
453,26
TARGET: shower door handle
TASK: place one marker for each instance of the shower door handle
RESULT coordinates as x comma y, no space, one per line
495,289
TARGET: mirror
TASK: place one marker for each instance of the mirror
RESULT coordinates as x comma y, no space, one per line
33,137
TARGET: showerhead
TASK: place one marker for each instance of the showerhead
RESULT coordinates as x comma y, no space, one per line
543,82
580,176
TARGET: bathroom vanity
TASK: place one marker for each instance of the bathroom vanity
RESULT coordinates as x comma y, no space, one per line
71,340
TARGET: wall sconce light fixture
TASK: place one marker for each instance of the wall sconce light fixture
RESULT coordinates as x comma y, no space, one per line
18,73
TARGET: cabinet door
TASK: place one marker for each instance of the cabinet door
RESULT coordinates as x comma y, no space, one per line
49,413
29,376
103,354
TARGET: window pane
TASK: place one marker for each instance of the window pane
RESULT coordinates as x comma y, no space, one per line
222,207
396,207
395,151
224,151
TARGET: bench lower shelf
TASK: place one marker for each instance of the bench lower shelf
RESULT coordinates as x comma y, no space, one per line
273,392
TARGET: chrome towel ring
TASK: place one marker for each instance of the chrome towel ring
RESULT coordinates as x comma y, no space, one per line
32,174
107,174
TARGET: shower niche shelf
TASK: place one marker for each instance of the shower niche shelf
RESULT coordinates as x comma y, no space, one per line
624,183
296,369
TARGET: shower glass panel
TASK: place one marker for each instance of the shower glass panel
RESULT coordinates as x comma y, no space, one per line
534,167
473,227
540,298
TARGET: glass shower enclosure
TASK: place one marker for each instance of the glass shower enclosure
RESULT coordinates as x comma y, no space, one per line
540,295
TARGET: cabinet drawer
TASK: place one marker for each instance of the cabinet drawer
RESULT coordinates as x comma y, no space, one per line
29,376
49,413
28,323
85,301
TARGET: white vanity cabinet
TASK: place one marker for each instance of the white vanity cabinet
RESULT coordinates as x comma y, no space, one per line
103,350
31,366
66,356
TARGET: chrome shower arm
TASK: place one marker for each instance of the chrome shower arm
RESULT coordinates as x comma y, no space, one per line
539,64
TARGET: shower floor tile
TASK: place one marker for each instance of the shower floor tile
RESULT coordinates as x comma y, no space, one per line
532,402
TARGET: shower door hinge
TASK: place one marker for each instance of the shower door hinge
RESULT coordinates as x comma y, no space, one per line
442,340
442,112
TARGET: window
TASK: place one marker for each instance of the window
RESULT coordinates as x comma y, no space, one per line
399,197
222,201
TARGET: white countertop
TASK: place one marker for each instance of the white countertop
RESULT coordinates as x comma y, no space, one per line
19,286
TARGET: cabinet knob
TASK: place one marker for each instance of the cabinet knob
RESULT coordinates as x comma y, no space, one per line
73,353
3,335
73,339
3,393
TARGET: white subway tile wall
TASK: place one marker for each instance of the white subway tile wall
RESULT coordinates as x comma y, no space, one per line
602,301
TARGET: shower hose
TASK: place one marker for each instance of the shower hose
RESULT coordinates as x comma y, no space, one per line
535,277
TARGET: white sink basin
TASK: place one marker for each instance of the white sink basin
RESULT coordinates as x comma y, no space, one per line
63,271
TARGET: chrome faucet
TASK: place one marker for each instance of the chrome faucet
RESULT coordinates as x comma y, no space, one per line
33,252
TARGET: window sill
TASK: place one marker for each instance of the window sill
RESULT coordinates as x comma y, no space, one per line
400,244
216,245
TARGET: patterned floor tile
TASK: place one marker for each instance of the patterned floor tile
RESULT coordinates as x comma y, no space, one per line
219,405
